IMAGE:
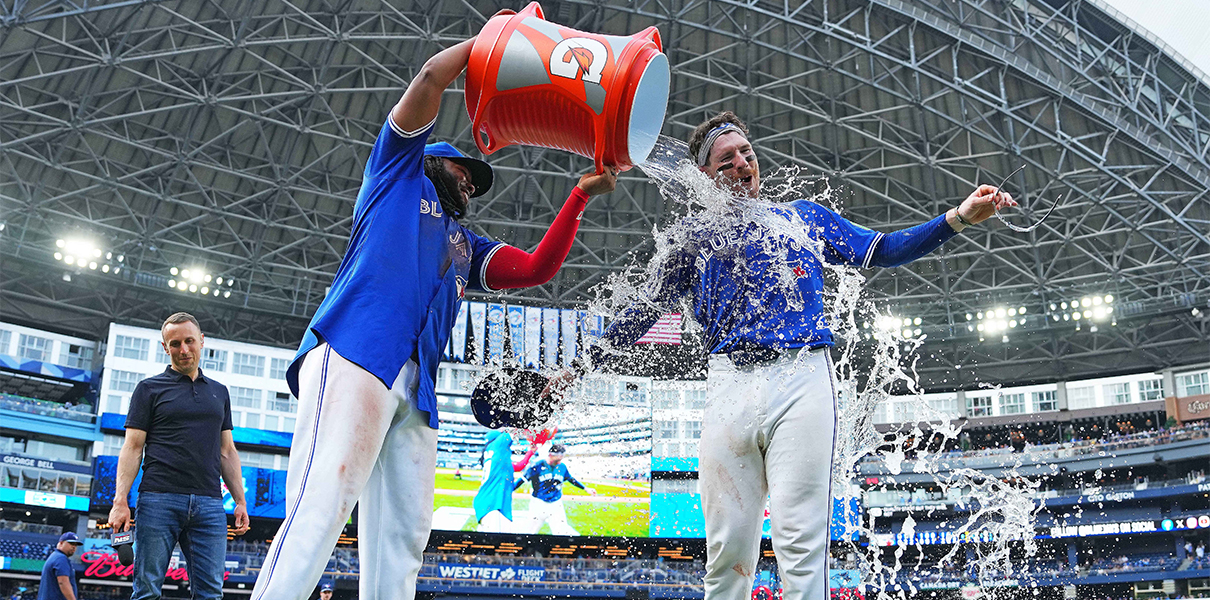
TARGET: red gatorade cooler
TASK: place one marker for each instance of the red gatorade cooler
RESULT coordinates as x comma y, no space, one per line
532,82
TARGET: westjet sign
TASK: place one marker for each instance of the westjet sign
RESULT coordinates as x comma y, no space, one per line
490,573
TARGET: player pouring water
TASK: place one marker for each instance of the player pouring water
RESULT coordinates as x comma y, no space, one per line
769,424
365,373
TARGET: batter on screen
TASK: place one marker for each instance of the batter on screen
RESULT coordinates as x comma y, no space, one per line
770,416
547,477
365,372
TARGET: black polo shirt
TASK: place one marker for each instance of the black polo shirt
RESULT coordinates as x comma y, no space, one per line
184,420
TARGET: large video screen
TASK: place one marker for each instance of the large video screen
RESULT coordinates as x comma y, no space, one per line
507,481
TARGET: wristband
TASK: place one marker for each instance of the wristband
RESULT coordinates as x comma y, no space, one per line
958,213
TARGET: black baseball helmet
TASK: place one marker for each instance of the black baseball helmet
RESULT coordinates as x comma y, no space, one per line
512,398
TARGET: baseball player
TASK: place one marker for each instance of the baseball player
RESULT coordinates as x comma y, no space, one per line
325,591
546,477
365,371
769,425
494,500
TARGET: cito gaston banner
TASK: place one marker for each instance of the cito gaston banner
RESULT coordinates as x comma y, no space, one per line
490,572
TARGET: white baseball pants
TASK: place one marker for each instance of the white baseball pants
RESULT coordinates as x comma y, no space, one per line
495,522
768,432
354,439
552,513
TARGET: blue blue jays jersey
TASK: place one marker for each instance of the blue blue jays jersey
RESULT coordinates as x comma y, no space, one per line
397,290
496,491
547,480
735,279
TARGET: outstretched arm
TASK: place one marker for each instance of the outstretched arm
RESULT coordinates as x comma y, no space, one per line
512,267
520,465
906,245
572,480
419,104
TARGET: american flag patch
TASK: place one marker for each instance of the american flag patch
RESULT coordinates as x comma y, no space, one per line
665,331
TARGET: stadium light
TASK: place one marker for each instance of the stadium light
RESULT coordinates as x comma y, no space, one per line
197,280
898,326
1087,309
83,253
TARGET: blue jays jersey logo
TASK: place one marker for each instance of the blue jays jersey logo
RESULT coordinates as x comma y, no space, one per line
797,268
431,207
460,244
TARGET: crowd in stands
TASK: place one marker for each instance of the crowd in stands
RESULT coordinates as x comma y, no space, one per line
47,408
971,455
1050,568
1133,564
26,590
6,525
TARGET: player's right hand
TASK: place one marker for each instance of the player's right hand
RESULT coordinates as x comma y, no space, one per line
119,517
545,435
595,184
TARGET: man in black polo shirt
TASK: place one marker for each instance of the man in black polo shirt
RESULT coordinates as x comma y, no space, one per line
180,426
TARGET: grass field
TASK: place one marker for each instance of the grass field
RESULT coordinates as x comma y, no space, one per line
588,518
619,489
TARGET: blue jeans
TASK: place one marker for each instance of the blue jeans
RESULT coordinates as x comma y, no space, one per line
199,523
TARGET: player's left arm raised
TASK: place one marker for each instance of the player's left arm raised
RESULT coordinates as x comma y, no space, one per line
906,245
979,207
420,103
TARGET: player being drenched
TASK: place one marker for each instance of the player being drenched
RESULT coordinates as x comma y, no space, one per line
365,372
769,424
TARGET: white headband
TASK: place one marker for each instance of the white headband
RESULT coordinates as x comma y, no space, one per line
703,153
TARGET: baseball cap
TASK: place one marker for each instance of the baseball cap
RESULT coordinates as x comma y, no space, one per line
327,587
556,449
481,172
71,537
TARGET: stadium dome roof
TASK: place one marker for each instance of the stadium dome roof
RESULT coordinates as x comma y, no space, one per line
230,136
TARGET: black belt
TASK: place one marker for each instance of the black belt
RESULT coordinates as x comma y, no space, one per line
759,355
754,355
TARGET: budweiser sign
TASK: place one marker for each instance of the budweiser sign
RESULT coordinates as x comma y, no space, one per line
1189,408
102,565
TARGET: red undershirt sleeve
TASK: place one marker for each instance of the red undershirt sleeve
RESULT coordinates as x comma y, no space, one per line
520,465
512,267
